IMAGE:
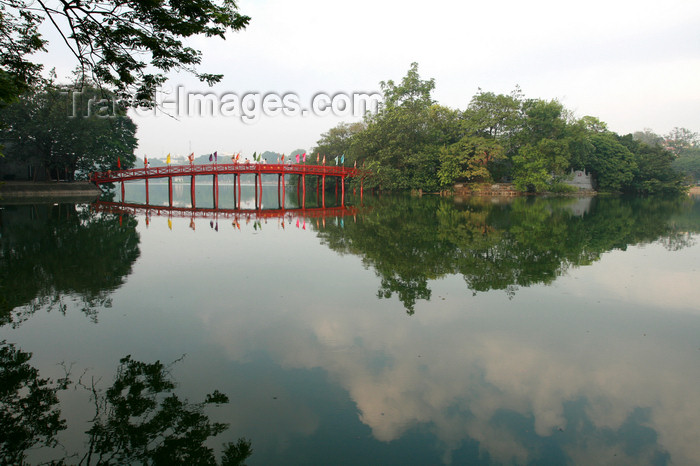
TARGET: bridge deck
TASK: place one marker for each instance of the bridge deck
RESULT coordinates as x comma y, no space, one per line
223,169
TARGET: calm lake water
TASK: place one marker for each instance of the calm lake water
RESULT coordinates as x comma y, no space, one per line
398,331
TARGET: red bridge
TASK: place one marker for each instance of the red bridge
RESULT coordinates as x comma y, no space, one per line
235,169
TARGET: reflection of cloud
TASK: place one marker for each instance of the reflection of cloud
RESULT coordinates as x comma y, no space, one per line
462,373
624,277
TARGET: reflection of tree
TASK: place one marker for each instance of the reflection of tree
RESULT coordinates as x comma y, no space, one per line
49,252
29,415
526,241
138,420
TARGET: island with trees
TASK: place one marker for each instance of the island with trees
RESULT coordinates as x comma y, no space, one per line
414,143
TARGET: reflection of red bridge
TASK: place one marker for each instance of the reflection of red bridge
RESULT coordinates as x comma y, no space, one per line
235,169
236,214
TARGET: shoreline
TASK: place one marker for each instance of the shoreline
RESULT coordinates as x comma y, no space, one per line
14,190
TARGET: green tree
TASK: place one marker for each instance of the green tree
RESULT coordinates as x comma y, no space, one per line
685,145
680,139
653,171
611,162
544,153
338,141
71,131
688,164
468,159
648,137
498,116
19,38
402,141
412,93
127,46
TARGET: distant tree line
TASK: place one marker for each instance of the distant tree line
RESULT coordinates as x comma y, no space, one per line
414,143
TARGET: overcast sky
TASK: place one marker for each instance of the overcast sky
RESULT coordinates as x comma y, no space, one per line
633,64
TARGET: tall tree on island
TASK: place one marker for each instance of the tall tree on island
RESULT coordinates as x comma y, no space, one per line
402,140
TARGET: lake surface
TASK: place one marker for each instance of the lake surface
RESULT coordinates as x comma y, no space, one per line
399,330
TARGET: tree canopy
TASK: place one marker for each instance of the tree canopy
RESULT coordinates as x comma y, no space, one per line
414,143
70,132
127,46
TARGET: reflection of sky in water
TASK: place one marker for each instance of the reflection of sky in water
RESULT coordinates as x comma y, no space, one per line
604,364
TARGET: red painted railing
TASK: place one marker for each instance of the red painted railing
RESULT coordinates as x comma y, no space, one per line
223,169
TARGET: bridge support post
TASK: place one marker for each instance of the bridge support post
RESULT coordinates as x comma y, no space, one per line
342,191
260,175
256,190
122,191
279,194
336,191
238,201
193,196
147,202
323,190
216,191
170,191
284,192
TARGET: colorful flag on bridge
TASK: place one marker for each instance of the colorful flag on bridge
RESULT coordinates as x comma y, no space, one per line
167,159
342,159
145,162
304,157
119,163
191,158
297,158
